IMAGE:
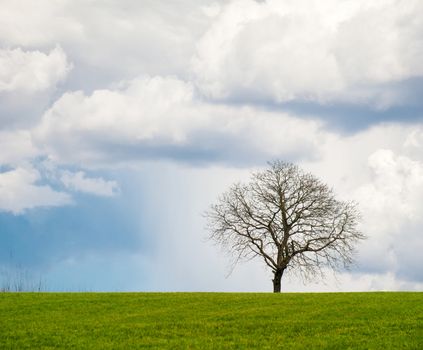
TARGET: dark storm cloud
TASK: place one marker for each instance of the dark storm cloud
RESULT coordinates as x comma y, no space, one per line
342,116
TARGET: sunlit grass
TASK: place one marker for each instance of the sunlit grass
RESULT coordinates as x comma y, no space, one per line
211,321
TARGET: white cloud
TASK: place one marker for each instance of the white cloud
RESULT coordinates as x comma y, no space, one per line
361,282
163,118
322,51
80,182
26,23
147,36
19,191
325,51
31,71
392,214
16,146
397,185
379,170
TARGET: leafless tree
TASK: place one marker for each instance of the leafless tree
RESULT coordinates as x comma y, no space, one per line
290,219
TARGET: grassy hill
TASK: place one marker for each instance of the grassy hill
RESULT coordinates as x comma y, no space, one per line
211,321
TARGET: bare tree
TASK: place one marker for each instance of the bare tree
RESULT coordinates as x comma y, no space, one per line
290,219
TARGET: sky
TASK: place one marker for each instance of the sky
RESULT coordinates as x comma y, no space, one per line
121,122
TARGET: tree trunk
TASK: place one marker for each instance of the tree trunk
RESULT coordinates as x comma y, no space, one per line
277,281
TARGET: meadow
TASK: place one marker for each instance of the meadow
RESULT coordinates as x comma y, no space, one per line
211,320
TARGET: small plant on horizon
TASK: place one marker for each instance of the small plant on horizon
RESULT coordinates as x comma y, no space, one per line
18,279
290,219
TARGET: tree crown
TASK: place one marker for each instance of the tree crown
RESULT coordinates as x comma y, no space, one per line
287,217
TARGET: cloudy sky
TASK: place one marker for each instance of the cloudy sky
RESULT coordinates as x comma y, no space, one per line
122,121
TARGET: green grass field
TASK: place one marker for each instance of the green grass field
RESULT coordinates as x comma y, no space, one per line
211,321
